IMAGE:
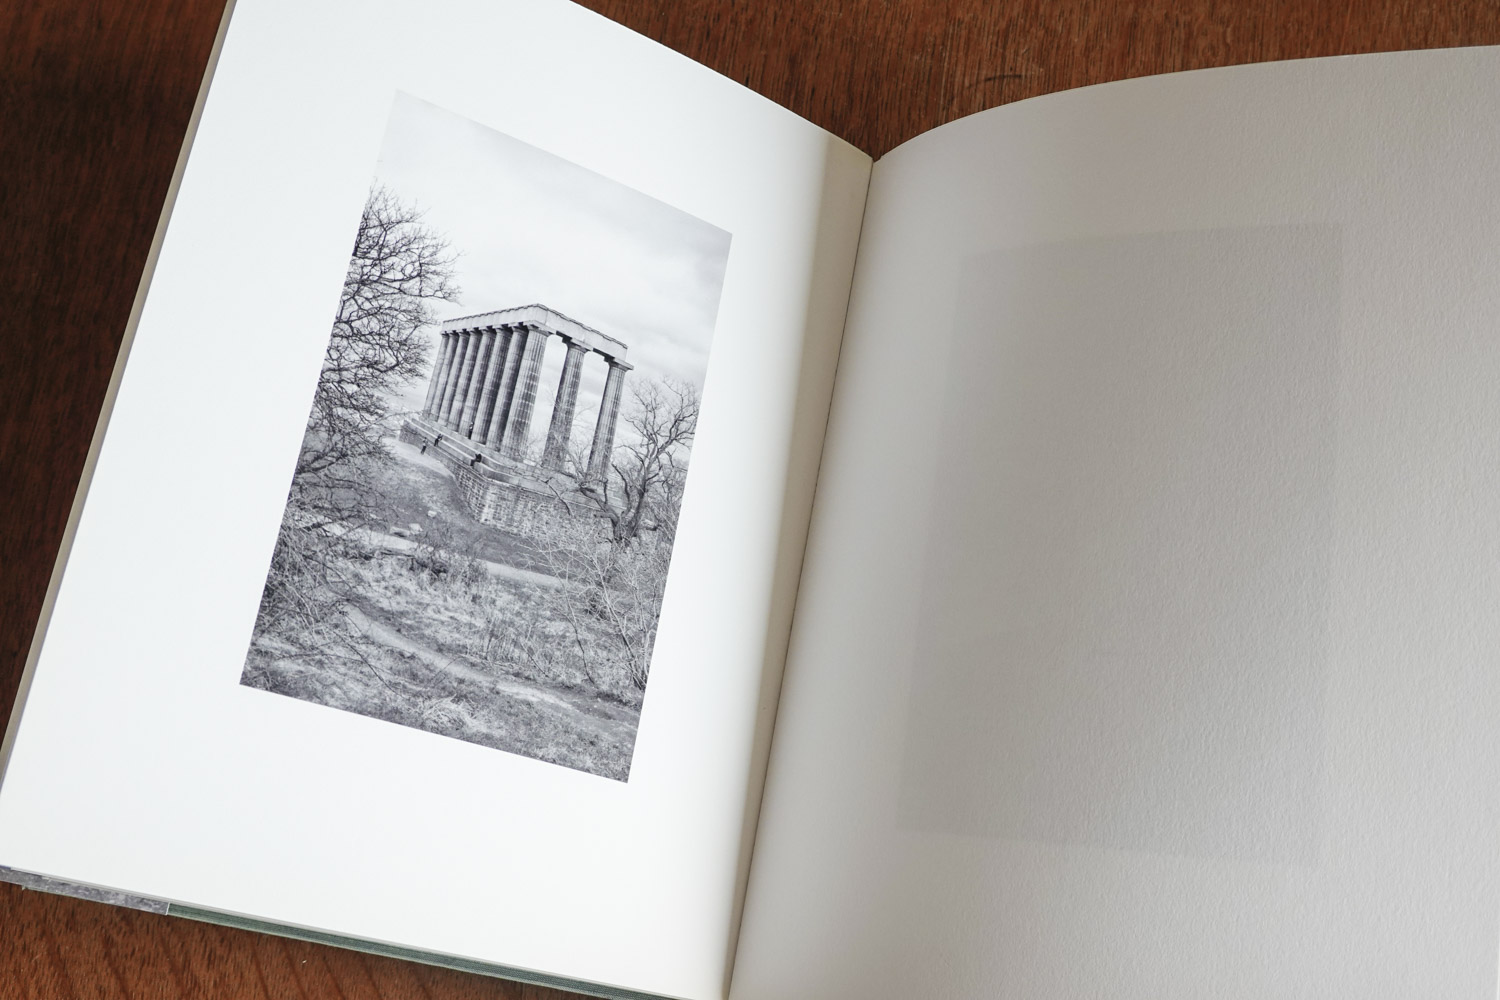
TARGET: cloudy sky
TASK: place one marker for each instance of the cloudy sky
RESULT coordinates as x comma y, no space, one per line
531,227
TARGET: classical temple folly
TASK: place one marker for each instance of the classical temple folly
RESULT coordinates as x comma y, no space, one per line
477,417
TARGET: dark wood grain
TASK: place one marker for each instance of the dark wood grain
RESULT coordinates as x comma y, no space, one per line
94,99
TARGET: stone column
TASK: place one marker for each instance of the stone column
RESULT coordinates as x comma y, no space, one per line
506,390
518,425
445,404
491,385
561,429
439,371
465,372
609,415
486,341
455,343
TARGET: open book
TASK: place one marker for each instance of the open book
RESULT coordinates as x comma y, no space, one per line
673,555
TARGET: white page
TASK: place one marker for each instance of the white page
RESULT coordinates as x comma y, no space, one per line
142,764
1147,638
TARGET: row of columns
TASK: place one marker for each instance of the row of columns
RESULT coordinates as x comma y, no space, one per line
484,386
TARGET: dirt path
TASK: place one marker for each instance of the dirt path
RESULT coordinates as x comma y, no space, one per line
585,712
405,546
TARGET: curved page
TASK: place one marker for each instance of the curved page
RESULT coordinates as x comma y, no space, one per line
1147,636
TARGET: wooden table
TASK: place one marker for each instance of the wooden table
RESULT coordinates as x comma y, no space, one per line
94,102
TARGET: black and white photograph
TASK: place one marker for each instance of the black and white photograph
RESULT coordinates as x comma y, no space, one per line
480,524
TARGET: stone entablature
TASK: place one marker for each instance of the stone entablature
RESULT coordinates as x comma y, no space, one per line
540,315
484,387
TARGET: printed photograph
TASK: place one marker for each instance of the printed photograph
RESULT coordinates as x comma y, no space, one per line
479,529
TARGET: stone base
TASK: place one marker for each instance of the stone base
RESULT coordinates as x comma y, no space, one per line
496,490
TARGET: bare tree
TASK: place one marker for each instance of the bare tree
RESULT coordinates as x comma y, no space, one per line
649,466
613,568
398,270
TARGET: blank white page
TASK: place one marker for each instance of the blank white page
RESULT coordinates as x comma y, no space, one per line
1147,642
